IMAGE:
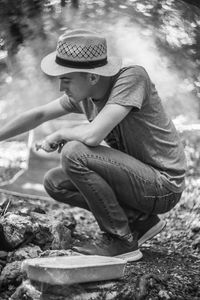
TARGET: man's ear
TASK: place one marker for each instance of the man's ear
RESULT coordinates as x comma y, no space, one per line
93,78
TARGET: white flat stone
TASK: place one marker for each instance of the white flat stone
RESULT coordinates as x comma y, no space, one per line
73,269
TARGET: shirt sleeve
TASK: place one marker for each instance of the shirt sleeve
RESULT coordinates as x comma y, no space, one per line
130,88
70,107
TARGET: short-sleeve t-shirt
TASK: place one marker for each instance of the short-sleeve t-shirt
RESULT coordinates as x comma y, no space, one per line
146,133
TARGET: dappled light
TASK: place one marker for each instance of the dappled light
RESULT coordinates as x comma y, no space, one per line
162,36
32,186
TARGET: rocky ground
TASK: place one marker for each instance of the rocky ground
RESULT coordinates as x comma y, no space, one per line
169,269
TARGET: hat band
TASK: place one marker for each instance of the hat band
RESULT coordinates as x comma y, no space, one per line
81,64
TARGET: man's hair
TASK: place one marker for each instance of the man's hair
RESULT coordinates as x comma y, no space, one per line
83,74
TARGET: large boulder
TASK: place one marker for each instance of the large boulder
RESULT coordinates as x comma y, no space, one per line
17,228
51,230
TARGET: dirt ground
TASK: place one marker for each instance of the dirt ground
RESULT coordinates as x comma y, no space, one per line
170,267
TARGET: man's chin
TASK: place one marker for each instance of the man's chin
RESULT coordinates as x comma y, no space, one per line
68,94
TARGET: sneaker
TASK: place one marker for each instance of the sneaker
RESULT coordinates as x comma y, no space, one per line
125,248
147,228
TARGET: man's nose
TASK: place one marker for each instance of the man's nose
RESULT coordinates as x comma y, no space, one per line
62,86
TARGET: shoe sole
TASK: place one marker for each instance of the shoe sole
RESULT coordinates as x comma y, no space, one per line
152,232
131,256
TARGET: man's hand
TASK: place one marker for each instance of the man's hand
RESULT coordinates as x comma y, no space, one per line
53,142
44,145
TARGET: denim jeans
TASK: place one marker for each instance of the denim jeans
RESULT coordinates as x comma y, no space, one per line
111,184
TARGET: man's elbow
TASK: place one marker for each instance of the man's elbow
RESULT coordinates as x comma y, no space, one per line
91,137
92,141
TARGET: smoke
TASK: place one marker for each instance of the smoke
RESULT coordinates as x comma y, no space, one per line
138,46
135,43
29,86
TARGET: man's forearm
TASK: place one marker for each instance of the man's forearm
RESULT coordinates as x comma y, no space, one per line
21,124
82,133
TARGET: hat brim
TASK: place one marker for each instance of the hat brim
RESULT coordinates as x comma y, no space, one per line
51,68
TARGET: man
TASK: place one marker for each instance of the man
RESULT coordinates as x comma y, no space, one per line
127,184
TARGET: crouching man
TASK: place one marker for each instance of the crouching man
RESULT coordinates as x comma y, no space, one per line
140,175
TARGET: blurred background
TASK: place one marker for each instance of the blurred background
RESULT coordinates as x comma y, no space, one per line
161,35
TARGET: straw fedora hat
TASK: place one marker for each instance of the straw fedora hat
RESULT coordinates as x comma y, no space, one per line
81,51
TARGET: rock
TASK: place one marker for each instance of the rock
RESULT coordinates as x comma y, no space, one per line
4,245
16,228
1,267
3,254
53,253
195,227
163,294
2,264
61,236
66,216
43,236
11,274
24,253
87,291
49,231
196,243
55,229
3,259
26,291
71,296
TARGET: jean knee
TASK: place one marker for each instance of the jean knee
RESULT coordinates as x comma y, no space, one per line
71,154
73,149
